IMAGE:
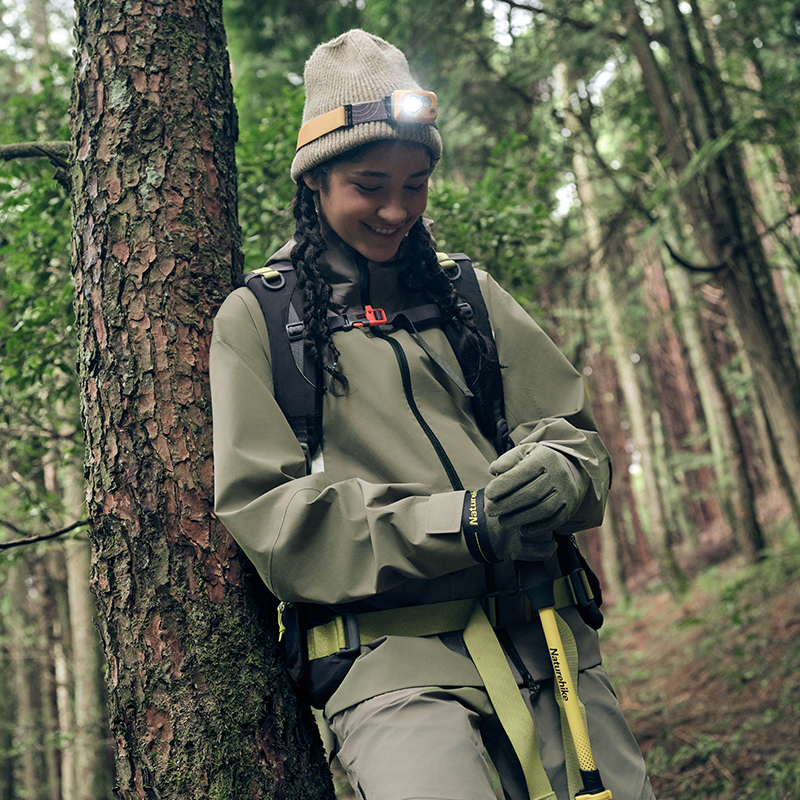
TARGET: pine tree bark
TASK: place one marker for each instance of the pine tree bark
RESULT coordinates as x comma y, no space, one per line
200,705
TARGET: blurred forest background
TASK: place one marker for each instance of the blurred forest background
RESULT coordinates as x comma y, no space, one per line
629,170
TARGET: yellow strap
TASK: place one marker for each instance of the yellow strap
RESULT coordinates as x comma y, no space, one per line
489,658
423,620
321,125
445,262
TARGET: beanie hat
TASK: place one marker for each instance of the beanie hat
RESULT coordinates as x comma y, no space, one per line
357,67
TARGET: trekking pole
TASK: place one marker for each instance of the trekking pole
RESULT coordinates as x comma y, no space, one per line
538,588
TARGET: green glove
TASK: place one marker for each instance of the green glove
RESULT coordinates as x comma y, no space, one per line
534,493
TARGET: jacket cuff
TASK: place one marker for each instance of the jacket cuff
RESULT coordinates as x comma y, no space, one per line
475,530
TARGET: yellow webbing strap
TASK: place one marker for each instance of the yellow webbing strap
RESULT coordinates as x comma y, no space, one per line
517,722
426,620
321,125
445,262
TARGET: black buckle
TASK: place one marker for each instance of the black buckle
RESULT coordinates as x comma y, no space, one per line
294,330
352,640
347,323
582,598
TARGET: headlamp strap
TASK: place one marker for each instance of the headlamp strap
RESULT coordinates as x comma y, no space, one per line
349,115
342,117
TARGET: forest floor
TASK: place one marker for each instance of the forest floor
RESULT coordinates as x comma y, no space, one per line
711,684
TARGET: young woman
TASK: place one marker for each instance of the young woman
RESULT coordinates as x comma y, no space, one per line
406,535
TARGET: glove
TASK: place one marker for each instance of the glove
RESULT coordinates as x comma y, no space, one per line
533,493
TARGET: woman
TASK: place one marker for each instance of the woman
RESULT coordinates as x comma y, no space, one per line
407,511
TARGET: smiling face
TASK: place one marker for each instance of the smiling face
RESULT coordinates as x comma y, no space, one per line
373,202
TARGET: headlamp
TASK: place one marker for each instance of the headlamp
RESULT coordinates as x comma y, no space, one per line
413,106
402,106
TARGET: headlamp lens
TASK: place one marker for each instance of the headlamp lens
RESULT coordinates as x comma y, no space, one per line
411,104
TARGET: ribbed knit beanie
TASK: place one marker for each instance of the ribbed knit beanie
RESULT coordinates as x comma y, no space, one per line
356,67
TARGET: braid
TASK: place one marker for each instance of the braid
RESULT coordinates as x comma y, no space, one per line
426,275
309,245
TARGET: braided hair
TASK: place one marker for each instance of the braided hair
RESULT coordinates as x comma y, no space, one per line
423,274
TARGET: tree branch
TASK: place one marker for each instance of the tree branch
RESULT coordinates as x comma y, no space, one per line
33,539
578,24
693,267
55,152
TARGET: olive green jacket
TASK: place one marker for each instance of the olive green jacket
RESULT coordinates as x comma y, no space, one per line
377,522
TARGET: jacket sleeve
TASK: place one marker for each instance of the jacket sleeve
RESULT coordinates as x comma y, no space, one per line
309,538
546,400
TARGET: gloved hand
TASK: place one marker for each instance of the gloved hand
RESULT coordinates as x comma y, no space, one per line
534,493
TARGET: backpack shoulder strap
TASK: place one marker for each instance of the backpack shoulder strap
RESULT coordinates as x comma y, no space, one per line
487,387
297,381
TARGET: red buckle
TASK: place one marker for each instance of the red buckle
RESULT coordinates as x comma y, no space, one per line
374,316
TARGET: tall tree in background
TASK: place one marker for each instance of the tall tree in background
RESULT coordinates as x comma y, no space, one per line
200,705
721,209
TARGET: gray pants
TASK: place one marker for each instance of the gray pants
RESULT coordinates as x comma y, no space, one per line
430,744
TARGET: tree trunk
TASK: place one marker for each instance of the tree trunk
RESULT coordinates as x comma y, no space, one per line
615,544
200,705
91,778
659,534
734,486
40,39
26,686
7,715
670,570
720,206
90,774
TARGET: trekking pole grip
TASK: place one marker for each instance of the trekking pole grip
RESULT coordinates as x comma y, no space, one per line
537,586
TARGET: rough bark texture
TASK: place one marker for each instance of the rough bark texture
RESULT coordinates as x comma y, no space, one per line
200,706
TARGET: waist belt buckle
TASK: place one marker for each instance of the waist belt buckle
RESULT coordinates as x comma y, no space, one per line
352,640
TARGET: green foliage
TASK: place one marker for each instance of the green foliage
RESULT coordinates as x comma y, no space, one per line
40,413
501,221
711,685
263,155
270,43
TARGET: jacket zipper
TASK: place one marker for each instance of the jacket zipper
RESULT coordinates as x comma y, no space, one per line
405,374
